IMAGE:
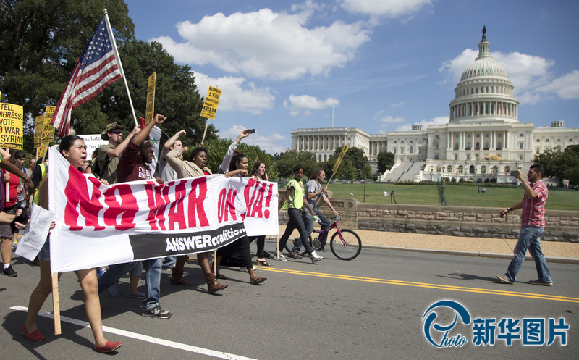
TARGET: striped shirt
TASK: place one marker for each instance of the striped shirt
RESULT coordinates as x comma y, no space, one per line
534,209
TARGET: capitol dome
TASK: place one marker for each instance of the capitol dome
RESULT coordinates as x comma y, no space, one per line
484,90
484,65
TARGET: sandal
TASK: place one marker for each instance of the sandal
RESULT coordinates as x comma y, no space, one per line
221,277
258,280
263,263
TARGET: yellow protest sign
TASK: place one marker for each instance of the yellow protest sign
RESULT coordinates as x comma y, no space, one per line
48,131
151,83
42,150
211,103
340,158
38,130
11,126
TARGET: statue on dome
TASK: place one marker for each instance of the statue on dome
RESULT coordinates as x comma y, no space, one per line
484,29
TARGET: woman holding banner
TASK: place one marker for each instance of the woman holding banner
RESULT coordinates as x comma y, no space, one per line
258,173
197,166
73,149
237,253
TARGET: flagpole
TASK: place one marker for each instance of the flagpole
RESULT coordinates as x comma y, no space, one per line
112,38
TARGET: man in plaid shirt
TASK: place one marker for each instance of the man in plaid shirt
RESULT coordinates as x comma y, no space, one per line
532,228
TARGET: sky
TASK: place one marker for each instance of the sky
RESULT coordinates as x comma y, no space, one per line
378,65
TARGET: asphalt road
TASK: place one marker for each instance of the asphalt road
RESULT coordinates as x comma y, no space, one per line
368,308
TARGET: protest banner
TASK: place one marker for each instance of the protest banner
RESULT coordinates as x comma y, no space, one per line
11,126
99,224
338,161
38,130
150,109
92,143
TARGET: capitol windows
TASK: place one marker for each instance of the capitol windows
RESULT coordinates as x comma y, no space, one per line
537,151
483,169
459,169
477,90
520,157
449,168
521,145
521,135
455,156
395,150
401,150
411,150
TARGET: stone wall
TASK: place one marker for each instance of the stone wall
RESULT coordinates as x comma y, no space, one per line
446,220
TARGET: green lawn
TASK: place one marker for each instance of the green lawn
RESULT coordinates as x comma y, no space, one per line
456,195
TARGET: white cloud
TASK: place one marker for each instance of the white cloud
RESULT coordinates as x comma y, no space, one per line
235,95
306,103
567,87
439,120
527,73
270,143
397,104
266,44
390,8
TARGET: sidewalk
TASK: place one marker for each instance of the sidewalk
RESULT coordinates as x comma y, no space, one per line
561,252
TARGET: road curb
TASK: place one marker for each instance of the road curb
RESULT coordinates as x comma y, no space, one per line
554,259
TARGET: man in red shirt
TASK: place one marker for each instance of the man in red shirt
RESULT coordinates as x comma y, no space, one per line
532,228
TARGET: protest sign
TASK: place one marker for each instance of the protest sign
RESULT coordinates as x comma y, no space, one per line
211,103
11,126
92,143
38,130
150,109
100,224
340,158
48,131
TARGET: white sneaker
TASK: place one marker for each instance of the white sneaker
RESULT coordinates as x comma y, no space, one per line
279,256
242,269
315,257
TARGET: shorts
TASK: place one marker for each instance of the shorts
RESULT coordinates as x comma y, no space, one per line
44,253
6,230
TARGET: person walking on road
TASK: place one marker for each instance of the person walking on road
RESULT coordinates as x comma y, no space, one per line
532,227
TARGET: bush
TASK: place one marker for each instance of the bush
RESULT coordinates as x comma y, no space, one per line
487,180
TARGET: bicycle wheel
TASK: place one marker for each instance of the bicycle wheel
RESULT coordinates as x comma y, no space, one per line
347,247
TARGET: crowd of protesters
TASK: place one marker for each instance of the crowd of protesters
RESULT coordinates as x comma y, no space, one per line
129,159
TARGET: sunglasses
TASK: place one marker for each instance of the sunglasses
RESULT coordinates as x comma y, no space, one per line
116,132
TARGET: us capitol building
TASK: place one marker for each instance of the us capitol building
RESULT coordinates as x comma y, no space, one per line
483,138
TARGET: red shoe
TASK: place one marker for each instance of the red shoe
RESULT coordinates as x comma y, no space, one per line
35,336
110,346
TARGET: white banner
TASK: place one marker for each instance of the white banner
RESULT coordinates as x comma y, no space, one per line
92,143
98,224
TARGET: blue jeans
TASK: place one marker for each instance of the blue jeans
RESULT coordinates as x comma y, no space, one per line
295,222
530,238
113,274
153,279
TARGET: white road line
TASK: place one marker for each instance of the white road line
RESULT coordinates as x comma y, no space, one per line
150,339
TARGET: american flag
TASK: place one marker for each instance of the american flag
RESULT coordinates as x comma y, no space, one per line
96,69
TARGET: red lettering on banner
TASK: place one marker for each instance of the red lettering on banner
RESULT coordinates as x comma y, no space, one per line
256,208
76,190
195,202
268,200
232,193
221,213
152,217
128,207
248,201
176,211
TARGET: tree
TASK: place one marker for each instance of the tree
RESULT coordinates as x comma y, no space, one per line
354,165
385,161
556,164
41,42
217,148
176,95
288,159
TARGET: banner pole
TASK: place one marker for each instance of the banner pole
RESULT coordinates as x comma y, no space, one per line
205,131
56,304
112,38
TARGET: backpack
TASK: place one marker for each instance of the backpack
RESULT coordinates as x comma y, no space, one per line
95,168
